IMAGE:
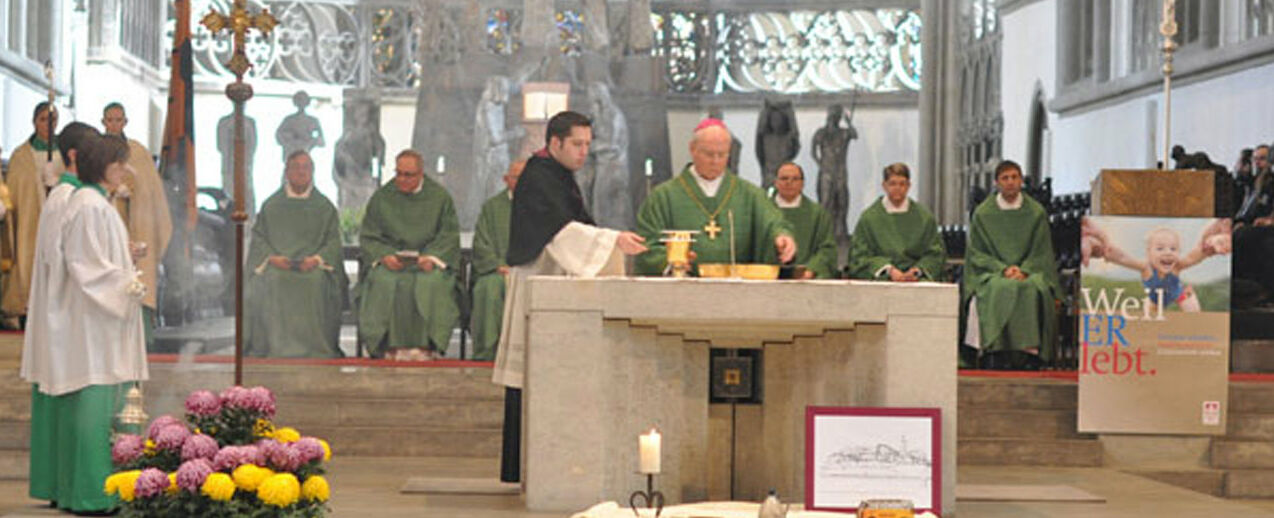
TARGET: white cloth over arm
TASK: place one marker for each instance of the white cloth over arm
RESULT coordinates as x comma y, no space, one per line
47,319
578,250
106,345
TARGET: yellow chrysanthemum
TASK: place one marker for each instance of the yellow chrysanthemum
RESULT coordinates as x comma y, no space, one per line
218,486
249,477
327,450
280,490
116,481
287,434
126,483
150,447
172,483
315,488
263,428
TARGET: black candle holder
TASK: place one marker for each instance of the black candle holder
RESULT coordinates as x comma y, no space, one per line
651,497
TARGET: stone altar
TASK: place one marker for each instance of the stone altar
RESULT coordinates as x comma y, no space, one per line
605,364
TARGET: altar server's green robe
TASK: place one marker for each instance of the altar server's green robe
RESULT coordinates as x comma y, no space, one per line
904,240
1012,314
410,307
671,206
291,313
490,243
815,245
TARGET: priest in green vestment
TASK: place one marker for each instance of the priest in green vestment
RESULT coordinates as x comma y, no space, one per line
815,246
718,205
410,242
896,238
1010,275
490,244
296,287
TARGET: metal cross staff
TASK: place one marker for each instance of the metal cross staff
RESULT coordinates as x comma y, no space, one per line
238,23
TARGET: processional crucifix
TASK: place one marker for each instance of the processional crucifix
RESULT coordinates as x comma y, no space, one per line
238,23
1168,28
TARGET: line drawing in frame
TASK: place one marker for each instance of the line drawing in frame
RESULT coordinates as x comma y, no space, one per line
854,454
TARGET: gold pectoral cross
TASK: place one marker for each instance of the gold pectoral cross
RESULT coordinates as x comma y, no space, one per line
712,229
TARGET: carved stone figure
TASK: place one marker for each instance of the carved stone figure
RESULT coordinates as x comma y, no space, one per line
777,139
736,146
225,146
360,152
491,139
299,131
610,200
831,151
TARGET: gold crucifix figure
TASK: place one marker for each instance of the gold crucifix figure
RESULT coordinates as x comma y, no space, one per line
239,22
712,229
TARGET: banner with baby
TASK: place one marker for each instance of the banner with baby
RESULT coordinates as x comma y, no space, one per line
1154,325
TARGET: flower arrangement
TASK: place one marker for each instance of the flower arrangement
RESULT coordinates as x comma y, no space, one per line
225,459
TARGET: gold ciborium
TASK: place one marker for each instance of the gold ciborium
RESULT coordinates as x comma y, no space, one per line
677,243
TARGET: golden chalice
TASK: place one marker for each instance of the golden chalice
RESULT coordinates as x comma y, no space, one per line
677,244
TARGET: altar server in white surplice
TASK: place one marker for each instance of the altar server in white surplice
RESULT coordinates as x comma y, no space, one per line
550,233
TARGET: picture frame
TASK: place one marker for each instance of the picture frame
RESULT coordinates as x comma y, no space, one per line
854,454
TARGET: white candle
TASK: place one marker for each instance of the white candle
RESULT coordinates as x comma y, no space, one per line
648,447
442,164
649,167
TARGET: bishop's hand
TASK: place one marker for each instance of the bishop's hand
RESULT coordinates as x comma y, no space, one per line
630,243
392,262
786,247
280,262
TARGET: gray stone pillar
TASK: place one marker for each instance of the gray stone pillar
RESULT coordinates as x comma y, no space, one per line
937,171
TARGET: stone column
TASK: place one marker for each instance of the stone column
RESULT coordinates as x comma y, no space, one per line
937,170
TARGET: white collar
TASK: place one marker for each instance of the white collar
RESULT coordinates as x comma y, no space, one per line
784,204
891,209
287,187
1006,205
709,187
510,192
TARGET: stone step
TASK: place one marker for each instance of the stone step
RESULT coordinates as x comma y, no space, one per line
409,442
318,381
15,435
1206,481
1030,452
440,414
977,422
10,346
1252,356
13,464
1251,397
1238,454
1018,394
15,408
1246,426
1249,483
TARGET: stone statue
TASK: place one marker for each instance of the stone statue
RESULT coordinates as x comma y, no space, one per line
299,131
736,146
777,139
225,146
360,153
610,200
491,139
830,150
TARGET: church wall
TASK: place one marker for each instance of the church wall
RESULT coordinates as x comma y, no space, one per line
18,100
1217,113
885,135
138,97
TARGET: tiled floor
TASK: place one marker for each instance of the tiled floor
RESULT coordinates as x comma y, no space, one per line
369,487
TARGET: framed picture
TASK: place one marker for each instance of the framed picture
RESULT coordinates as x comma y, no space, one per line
854,454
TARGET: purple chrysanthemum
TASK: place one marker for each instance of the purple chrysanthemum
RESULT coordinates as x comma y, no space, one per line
199,447
203,403
231,457
286,458
160,423
261,400
152,482
309,448
192,473
233,396
172,437
127,448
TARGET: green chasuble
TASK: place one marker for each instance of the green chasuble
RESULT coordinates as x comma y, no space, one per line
815,245
292,313
904,240
1012,314
71,446
679,204
410,307
490,244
